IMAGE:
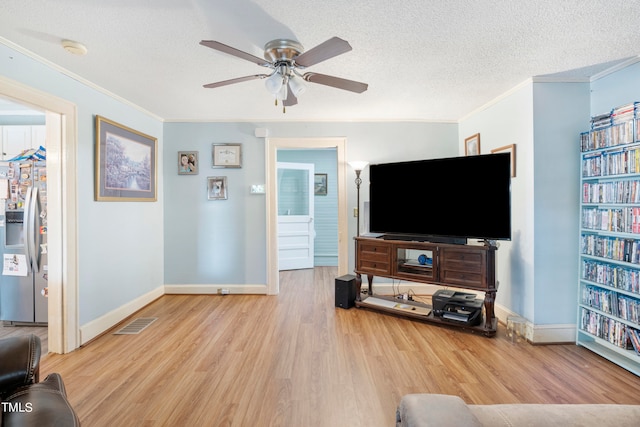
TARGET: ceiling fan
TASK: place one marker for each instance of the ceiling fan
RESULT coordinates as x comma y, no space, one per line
286,58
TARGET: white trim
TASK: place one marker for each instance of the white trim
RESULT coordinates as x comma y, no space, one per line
62,231
271,148
215,289
103,323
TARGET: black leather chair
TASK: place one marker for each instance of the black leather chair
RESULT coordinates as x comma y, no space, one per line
25,401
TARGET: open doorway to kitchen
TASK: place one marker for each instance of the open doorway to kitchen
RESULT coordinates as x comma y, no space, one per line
60,136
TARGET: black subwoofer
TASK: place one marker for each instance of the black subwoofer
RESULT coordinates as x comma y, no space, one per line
346,291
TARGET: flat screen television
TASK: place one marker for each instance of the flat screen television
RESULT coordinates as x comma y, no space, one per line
442,200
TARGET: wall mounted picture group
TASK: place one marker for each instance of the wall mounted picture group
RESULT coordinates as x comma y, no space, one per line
126,163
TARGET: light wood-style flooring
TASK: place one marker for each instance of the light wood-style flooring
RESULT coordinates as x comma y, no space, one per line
296,360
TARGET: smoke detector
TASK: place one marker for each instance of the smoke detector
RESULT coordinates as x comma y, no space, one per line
74,47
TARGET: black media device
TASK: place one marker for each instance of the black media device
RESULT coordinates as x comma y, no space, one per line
442,200
457,306
346,291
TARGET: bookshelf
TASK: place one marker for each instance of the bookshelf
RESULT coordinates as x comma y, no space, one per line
609,282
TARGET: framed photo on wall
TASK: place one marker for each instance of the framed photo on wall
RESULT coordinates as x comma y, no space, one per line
126,163
320,184
217,187
472,145
227,156
511,149
188,163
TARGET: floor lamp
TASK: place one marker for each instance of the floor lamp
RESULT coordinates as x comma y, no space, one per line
358,166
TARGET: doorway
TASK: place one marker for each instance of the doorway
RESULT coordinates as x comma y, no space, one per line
60,119
296,216
273,145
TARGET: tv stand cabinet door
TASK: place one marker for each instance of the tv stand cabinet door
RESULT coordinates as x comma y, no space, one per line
465,267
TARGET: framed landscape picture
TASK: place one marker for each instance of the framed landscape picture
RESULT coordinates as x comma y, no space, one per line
126,163
320,184
511,149
472,145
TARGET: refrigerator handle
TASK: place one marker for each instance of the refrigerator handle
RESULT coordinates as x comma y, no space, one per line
33,250
26,233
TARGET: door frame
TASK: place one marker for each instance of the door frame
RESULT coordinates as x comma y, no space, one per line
61,128
271,155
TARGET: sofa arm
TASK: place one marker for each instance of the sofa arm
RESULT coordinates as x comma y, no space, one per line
19,362
43,404
437,410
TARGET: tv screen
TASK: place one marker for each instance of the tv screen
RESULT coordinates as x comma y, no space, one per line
457,197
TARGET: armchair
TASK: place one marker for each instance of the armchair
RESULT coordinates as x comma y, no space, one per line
24,400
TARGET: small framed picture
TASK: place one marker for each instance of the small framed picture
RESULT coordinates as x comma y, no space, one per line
227,156
217,187
511,149
472,145
320,184
187,163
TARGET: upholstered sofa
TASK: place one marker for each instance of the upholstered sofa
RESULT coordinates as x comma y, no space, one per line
438,410
25,401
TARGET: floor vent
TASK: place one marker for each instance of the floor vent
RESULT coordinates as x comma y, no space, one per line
136,326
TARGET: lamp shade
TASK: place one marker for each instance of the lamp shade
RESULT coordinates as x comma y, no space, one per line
358,165
297,86
273,83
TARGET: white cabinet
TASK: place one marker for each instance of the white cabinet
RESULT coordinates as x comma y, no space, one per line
16,139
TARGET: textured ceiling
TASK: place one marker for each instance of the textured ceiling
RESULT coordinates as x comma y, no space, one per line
422,59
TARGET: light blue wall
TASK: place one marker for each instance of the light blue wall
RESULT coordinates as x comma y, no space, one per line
224,242
614,90
326,206
561,112
120,254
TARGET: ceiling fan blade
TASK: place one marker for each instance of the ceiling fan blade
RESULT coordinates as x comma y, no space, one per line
236,80
291,99
336,82
333,47
235,52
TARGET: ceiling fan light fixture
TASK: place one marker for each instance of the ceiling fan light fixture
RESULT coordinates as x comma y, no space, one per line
297,86
273,83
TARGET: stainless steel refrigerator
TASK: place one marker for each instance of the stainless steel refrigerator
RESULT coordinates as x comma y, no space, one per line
23,283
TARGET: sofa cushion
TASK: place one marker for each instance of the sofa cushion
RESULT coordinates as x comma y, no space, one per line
437,410
565,415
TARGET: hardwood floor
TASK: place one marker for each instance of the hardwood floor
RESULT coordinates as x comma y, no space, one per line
296,360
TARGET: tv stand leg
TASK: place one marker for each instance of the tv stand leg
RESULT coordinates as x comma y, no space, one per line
358,286
490,321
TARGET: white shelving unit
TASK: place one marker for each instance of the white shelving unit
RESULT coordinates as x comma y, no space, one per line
609,290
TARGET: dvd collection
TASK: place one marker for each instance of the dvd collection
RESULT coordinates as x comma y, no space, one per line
610,236
606,328
618,220
615,276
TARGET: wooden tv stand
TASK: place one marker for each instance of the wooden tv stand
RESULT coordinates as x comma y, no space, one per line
458,266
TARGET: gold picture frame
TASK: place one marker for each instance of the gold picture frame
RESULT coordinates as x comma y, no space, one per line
472,145
125,163
511,149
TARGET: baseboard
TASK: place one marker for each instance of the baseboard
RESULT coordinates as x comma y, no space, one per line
535,334
103,323
215,289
